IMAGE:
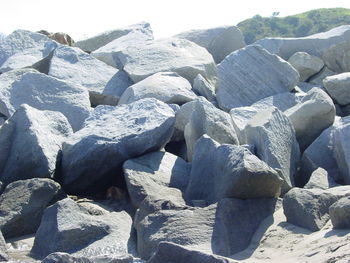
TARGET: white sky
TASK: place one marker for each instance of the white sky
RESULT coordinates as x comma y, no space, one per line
83,18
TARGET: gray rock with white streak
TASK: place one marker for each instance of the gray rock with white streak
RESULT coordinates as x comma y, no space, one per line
340,213
30,142
337,57
320,180
242,77
112,135
203,88
338,87
306,64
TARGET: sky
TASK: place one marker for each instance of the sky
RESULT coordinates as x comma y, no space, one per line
85,18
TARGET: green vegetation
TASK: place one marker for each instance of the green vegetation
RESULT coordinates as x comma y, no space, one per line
311,22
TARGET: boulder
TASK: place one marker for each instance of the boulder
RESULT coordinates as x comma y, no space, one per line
219,41
242,77
168,87
341,152
309,208
315,113
70,228
27,86
320,180
30,143
319,77
273,137
22,205
100,40
3,249
183,116
338,87
112,135
157,174
207,119
23,48
340,213
60,257
203,88
221,171
172,54
337,57
306,64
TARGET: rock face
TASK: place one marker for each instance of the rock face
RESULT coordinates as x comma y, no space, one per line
30,142
242,81
342,151
203,88
60,257
168,87
172,54
110,136
220,41
183,116
22,205
320,180
27,86
338,87
307,65
159,175
3,253
340,213
68,227
337,57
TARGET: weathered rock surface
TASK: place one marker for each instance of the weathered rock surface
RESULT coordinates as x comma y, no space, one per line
30,142
337,57
320,180
110,136
306,64
27,86
168,87
342,150
3,253
338,87
22,205
60,257
340,213
203,88
219,41
183,116
242,77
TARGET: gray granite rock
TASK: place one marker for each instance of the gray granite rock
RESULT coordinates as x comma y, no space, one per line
338,87
203,88
183,116
340,213
337,57
3,250
342,151
60,257
306,64
319,77
320,180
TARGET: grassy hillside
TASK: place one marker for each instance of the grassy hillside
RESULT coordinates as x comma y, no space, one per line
299,25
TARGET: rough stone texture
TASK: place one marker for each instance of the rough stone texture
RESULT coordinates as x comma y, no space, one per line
319,77
60,257
203,88
110,136
219,41
171,54
23,48
273,136
315,113
337,57
338,87
340,213
3,252
22,205
207,119
168,87
30,142
183,116
229,171
306,64
27,86
308,208
342,150
157,174
315,44
242,77
100,40
321,180
69,227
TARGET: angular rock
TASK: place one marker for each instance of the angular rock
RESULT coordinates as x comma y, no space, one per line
306,64
207,119
172,54
69,227
60,257
229,171
203,88
22,205
337,57
273,136
315,113
320,180
183,116
319,77
242,77
27,86
219,41
338,87
168,87
30,143
3,252
341,152
112,135
157,174
340,213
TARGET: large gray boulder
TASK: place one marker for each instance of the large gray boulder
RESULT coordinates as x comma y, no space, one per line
27,86
203,88
340,213
100,40
242,77
22,205
315,113
30,142
183,116
306,64
112,135
338,87
337,57
219,41
157,174
207,119
3,249
23,48
168,87
341,152
60,257
69,227
316,44
172,54
273,137
320,179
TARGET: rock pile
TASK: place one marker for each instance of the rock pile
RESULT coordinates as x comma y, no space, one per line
126,148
